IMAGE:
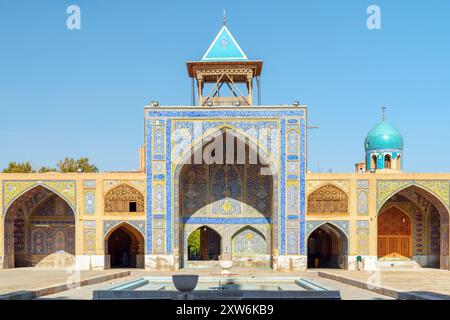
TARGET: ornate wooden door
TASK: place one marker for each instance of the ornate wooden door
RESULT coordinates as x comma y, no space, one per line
394,234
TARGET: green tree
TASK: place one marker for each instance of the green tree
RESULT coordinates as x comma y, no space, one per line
47,169
18,167
194,244
73,165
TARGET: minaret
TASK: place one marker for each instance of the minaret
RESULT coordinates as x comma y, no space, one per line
224,76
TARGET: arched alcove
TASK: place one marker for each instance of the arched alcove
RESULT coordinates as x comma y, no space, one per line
39,230
327,247
124,247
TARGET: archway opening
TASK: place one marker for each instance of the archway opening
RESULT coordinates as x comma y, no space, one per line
39,230
204,245
125,248
413,225
327,248
374,162
249,248
387,161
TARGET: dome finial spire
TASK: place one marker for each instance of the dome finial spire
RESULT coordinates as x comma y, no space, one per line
224,17
383,113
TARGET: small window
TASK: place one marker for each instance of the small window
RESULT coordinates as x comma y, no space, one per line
133,206
374,164
387,162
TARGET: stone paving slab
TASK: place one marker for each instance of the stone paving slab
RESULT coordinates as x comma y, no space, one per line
426,284
40,282
348,292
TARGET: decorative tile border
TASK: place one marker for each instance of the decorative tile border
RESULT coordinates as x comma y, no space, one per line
283,153
149,167
343,225
13,189
224,113
362,196
303,186
387,188
207,220
89,223
89,183
110,224
169,226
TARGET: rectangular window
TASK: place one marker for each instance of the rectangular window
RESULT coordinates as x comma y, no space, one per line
132,206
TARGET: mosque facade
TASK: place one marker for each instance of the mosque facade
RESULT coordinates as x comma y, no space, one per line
227,179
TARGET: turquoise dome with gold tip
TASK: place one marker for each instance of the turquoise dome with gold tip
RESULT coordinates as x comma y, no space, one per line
384,137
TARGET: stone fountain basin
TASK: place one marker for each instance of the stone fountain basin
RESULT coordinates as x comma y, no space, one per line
225,264
185,282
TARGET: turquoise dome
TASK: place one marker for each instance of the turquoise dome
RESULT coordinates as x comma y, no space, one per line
384,136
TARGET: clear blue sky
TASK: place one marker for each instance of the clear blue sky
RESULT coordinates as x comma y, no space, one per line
82,92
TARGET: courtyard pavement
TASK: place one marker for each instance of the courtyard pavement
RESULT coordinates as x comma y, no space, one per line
425,281
348,292
430,283
32,279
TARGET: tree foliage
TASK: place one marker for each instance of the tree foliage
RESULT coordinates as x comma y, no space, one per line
47,169
18,167
76,165
66,165
194,243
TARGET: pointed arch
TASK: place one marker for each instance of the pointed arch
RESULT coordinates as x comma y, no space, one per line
184,159
387,161
208,227
374,162
328,199
248,227
394,233
330,224
39,229
424,202
34,186
121,199
204,243
249,247
124,246
399,162
126,225
387,221
427,193
327,247
240,135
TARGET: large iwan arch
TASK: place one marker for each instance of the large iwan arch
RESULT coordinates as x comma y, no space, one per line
419,210
238,190
39,230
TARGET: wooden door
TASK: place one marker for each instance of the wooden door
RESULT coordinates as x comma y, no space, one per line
394,234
